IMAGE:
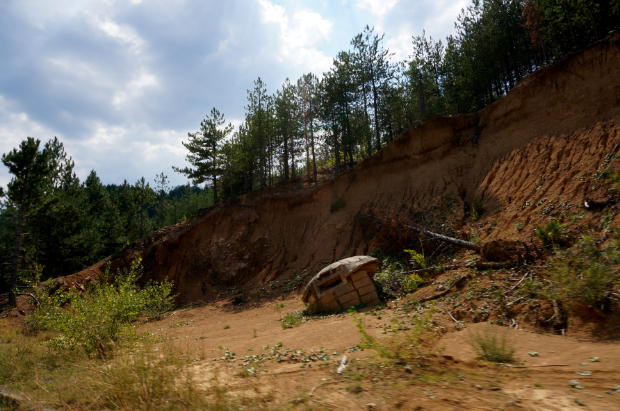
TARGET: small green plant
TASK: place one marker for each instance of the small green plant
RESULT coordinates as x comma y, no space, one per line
519,226
336,205
401,345
585,273
491,345
278,308
475,237
226,327
476,206
291,320
238,300
553,233
411,283
254,333
417,259
98,319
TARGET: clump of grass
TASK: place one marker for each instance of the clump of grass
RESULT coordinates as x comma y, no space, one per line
291,320
491,345
226,327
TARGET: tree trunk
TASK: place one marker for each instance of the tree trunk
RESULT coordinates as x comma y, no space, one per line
375,98
18,234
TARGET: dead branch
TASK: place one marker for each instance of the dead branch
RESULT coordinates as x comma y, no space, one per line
441,294
454,241
448,312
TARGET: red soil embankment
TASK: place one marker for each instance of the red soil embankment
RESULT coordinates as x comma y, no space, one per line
550,131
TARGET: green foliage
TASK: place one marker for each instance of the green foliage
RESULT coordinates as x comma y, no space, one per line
417,259
553,233
291,320
492,345
405,344
99,319
411,283
278,308
584,273
476,206
389,279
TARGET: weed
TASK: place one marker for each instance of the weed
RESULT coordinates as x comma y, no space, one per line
553,233
476,206
254,333
98,319
226,327
402,345
492,346
519,226
336,205
238,300
278,308
291,320
411,283
584,273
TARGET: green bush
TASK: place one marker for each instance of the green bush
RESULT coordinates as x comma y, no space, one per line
492,346
553,233
99,318
585,273
411,283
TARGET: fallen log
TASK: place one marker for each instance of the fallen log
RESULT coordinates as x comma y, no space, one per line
450,240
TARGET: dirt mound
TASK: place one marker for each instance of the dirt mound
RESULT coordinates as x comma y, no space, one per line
527,156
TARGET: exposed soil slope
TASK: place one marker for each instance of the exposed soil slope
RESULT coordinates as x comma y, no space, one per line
552,130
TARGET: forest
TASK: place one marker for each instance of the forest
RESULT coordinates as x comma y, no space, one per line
53,224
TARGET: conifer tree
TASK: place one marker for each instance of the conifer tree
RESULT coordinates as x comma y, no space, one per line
204,151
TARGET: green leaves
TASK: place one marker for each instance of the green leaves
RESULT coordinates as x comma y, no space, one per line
99,319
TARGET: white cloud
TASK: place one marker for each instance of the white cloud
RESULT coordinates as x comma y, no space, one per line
124,34
134,89
377,7
15,126
299,36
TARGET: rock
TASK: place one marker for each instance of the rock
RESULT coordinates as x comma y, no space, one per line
371,406
479,387
298,401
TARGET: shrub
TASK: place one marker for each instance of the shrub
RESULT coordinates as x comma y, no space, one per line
492,346
98,319
476,206
553,233
411,283
584,273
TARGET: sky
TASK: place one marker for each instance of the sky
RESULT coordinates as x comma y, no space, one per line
121,83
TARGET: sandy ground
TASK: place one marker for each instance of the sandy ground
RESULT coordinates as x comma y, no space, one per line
453,378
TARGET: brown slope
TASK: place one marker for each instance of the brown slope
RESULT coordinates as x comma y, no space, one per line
566,116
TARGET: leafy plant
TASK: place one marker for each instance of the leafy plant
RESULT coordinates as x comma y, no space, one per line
411,283
476,206
585,273
491,345
553,233
401,345
291,320
278,308
417,259
98,319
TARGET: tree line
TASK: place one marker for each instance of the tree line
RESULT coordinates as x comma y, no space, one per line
52,224
366,98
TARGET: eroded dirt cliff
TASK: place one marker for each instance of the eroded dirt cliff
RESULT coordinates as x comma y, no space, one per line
531,155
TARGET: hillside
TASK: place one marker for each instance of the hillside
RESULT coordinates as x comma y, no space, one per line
541,143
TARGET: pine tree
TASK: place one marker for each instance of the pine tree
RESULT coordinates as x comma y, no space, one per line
31,168
204,151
